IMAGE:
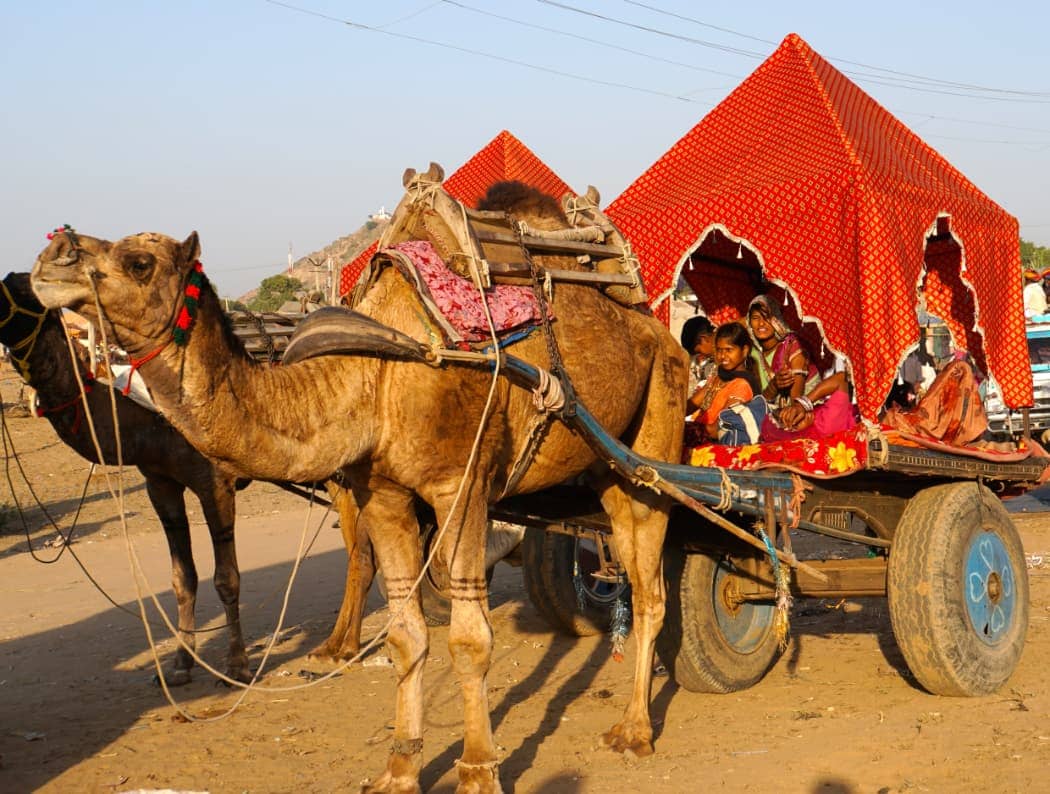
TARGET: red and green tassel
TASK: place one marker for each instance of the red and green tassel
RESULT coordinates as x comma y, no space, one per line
65,228
189,305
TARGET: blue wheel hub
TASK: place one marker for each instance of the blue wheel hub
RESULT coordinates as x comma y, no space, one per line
990,588
744,624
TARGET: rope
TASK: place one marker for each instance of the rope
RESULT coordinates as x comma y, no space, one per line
728,490
875,434
798,496
783,593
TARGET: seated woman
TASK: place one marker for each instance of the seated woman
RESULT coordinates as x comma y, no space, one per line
732,384
802,404
822,411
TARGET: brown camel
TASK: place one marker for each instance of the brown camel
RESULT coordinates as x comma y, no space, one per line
398,429
169,465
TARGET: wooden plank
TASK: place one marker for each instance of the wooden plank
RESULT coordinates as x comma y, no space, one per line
855,578
497,269
602,250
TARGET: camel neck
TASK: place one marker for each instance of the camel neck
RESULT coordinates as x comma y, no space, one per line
259,419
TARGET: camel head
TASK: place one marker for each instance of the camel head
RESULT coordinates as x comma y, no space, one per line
139,282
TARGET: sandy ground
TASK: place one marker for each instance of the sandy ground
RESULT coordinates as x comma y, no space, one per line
79,711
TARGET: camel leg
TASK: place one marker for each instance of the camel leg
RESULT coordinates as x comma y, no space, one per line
470,644
639,526
390,520
167,498
345,640
639,519
219,505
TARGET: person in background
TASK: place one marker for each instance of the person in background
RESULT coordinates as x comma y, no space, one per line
733,383
1034,295
698,338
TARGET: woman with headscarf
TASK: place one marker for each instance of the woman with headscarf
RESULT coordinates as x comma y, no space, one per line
802,405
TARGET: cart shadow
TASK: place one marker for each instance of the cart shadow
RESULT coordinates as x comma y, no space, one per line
858,616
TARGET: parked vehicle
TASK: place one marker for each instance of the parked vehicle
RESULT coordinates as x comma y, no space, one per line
1006,422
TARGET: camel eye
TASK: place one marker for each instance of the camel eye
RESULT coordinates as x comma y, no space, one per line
139,267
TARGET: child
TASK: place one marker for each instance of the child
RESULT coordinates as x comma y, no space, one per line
733,383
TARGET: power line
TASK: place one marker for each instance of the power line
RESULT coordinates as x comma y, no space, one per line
698,22
909,75
656,31
480,53
683,97
589,40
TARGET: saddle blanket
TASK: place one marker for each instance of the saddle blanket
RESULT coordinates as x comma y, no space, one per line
511,307
835,455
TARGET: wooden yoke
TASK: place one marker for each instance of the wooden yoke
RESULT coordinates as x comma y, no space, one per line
463,236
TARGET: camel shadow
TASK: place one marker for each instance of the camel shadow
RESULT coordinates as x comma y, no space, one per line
33,520
69,692
580,683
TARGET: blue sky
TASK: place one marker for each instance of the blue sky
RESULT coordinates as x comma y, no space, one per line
260,125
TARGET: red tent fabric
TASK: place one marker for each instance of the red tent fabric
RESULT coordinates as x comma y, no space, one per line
502,158
809,180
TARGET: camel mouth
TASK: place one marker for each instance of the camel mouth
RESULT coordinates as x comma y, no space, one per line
56,290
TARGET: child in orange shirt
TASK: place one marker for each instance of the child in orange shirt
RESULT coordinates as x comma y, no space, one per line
733,383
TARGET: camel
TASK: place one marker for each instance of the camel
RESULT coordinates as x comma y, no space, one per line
398,430
169,465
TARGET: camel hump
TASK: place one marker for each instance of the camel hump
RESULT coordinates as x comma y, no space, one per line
335,330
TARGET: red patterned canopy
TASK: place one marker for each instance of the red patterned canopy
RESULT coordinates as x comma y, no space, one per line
503,158
809,181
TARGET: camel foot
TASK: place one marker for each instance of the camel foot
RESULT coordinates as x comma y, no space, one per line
178,677
478,778
402,770
332,653
630,739
239,672
390,783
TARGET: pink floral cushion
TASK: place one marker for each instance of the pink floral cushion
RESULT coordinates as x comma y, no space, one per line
458,299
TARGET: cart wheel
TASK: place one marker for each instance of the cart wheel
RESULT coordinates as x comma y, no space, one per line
958,590
557,572
710,641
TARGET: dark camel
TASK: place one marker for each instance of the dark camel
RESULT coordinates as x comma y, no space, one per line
169,465
399,429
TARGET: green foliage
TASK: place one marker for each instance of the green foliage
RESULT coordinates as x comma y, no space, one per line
1034,257
233,305
273,292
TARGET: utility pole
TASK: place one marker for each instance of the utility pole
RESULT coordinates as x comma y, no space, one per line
331,282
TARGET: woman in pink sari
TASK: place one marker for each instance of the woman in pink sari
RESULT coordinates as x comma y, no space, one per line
802,405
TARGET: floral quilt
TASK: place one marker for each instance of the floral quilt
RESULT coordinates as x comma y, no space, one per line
836,455
458,299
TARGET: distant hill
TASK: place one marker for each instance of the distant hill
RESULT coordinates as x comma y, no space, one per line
342,251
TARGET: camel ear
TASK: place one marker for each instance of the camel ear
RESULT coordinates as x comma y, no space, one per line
593,195
189,251
435,173
408,176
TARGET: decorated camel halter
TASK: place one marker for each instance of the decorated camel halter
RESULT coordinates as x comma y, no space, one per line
180,334
21,350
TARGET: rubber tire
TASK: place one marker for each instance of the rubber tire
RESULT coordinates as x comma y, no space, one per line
704,645
548,564
928,590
